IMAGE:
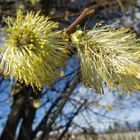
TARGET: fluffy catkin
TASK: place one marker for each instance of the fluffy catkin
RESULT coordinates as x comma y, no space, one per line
110,55
35,51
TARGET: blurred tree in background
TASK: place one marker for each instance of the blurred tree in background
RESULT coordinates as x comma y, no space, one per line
50,113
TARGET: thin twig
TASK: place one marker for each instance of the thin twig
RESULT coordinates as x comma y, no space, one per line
84,14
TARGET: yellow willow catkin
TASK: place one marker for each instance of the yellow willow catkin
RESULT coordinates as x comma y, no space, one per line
110,55
35,51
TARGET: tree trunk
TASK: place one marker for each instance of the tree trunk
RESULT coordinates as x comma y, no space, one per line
9,132
25,132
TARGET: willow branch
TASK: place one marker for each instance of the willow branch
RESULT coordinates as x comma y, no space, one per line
85,13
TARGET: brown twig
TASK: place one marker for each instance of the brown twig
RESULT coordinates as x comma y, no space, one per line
84,14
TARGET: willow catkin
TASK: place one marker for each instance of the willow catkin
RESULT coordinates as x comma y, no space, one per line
110,55
35,51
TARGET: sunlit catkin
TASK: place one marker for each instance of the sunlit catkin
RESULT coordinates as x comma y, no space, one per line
110,55
35,51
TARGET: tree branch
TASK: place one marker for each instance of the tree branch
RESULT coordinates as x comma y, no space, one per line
59,109
85,13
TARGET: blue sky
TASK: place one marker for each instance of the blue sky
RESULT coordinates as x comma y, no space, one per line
126,109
